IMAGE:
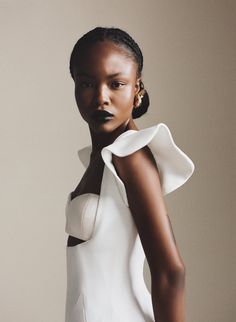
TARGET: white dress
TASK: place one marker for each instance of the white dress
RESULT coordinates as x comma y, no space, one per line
105,273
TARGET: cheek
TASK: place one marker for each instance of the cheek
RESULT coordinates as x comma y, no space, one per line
126,98
82,98
81,102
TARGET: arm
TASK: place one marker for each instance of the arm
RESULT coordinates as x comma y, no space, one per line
140,175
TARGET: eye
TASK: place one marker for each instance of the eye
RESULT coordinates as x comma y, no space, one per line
117,84
85,84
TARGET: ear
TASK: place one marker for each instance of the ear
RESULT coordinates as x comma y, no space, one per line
137,85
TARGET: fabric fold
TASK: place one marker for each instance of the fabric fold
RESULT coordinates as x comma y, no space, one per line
174,166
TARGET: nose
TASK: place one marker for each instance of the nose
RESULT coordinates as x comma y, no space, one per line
102,96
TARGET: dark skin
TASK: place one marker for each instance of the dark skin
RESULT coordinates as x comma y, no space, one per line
97,88
106,78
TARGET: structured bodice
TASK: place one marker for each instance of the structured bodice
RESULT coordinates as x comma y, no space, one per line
81,215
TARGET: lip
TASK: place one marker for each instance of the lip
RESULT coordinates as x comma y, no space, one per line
102,114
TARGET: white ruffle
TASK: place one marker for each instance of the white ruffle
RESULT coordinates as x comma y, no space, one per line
174,166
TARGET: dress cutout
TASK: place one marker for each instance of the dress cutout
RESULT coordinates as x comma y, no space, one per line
105,274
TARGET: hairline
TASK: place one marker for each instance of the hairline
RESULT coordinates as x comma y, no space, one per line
119,44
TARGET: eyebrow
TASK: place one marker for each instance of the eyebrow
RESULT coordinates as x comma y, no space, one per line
109,76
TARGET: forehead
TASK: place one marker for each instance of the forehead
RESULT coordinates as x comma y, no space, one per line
105,57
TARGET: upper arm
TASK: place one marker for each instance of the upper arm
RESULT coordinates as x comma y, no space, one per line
139,173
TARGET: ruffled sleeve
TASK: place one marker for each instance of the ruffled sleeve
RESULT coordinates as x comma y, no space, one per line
174,166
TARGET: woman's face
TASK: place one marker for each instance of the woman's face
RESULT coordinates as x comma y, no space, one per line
105,79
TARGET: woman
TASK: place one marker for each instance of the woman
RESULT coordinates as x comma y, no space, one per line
117,215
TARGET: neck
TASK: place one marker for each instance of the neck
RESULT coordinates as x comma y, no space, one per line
102,139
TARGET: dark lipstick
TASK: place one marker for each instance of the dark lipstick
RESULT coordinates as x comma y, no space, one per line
102,115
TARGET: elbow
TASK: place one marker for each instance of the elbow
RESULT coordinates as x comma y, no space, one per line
173,278
176,277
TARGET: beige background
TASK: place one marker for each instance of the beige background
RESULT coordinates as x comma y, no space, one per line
189,70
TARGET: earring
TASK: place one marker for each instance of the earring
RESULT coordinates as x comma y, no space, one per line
138,98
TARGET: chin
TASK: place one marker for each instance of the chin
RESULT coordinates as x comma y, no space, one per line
107,127
102,127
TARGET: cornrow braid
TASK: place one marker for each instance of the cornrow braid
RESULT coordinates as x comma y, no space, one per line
121,38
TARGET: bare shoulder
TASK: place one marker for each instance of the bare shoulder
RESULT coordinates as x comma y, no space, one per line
139,172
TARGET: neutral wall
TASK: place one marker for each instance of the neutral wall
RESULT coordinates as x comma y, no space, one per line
189,50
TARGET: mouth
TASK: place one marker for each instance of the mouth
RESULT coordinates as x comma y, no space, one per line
102,115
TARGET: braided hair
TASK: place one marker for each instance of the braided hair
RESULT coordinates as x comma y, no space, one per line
120,38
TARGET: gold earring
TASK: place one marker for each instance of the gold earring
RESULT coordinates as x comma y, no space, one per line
138,98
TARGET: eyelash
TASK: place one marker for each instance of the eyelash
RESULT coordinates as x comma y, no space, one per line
119,83
85,84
